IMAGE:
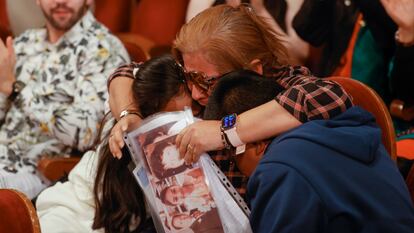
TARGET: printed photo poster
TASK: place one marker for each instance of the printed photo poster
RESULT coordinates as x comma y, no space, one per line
181,197
146,140
186,204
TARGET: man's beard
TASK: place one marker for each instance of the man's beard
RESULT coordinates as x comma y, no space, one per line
67,24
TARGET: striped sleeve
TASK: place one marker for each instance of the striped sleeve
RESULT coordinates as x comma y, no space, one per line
126,70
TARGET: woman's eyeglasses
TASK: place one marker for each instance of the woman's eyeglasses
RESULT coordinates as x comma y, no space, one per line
201,80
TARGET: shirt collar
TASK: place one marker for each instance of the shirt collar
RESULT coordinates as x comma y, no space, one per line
80,28
75,33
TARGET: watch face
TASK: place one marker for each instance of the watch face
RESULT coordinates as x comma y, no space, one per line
229,121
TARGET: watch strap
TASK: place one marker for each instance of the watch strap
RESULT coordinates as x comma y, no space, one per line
235,140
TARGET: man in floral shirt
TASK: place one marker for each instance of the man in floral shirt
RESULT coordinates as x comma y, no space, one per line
53,90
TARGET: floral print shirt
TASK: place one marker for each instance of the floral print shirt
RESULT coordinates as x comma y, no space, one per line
62,104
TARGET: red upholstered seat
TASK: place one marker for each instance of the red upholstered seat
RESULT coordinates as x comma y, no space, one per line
114,14
369,100
158,20
4,21
17,214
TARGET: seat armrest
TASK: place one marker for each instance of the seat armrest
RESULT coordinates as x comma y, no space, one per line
54,168
402,110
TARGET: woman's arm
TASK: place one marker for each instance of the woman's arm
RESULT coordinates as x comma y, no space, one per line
260,123
305,98
120,99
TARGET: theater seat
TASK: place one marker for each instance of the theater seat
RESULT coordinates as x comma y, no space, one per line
114,14
402,110
5,30
145,44
158,20
369,100
17,213
54,168
155,23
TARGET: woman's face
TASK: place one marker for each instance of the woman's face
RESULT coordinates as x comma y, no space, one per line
196,62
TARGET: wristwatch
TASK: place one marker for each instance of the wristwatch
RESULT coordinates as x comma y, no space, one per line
228,126
17,87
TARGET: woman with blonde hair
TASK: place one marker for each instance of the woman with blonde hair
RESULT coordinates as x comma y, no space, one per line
223,39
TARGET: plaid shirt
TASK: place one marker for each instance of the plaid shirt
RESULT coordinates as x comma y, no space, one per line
306,97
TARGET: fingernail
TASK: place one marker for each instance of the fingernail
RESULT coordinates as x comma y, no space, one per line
124,128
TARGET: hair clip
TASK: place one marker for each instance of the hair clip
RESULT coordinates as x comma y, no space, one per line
135,71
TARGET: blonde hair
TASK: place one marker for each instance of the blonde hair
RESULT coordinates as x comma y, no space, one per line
230,38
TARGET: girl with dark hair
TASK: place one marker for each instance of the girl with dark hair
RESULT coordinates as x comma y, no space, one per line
158,84
111,191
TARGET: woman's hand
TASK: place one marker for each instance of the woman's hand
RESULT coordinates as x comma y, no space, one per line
402,13
116,141
7,63
198,138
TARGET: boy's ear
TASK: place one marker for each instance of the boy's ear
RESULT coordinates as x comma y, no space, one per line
257,66
248,161
261,147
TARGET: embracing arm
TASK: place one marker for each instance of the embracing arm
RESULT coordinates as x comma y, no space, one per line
273,118
119,88
121,98
305,98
